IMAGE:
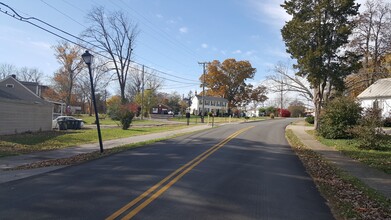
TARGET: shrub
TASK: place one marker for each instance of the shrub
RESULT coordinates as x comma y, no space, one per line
113,107
284,113
338,117
296,110
310,119
126,117
368,132
272,115
387,122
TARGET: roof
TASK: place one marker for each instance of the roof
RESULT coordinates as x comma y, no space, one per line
380,89
211,98
18,92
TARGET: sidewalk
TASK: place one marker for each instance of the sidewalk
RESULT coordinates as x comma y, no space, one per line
15,161
375,179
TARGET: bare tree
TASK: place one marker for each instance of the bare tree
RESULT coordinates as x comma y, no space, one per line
138,79
101,79
7,70
283,81
30,74
135,84
115,34
372,40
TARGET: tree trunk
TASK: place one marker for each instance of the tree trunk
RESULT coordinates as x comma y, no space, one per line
318,105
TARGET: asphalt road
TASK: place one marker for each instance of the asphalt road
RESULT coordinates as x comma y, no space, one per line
245,171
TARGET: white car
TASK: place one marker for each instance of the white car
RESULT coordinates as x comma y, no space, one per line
55,123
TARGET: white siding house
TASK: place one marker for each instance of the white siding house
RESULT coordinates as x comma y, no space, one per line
211,104
377,95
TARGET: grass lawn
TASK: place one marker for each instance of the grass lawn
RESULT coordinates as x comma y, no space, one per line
374,158
27,143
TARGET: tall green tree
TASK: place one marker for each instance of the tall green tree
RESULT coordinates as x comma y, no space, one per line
228,80
315,37
149,101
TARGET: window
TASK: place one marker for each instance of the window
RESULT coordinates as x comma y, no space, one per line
376,104
9,85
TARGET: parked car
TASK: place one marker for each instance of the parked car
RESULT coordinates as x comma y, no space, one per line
67,122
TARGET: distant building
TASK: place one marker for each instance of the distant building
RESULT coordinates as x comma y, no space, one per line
378,95
254,112
211,104
161,109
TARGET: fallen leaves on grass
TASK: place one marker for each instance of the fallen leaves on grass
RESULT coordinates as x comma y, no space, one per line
347,200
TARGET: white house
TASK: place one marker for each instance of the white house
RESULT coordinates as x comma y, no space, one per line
378,95
211,104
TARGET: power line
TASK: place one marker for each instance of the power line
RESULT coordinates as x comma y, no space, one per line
151,35
164,34
15,15
101,47
62,13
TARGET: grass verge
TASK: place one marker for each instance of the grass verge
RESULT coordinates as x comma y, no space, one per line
44,141
347,196
81,158
378,159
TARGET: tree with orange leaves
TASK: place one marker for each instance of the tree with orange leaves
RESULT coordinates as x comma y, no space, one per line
228,80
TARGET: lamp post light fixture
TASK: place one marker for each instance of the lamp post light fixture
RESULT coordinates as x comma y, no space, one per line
88,58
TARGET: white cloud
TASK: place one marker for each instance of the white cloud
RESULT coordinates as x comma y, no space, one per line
237,52
269,12
204,45
250,52
224,52
159,16
183,30
41,45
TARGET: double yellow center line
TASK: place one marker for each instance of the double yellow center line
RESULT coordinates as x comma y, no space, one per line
159,188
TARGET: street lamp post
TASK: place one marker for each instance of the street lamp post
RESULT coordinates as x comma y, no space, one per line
87,57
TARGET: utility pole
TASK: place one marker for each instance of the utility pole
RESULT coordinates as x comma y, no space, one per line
203,89
142,93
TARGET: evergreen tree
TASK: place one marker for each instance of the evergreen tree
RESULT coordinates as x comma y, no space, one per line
315,37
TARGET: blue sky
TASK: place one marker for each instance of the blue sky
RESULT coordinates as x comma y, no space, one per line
174,34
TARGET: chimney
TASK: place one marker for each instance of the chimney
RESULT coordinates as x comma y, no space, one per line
195,92
13,76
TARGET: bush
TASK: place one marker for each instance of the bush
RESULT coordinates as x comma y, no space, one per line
126,118
368,132
387,122
272,115
338,117
296,110
283,112
310,119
